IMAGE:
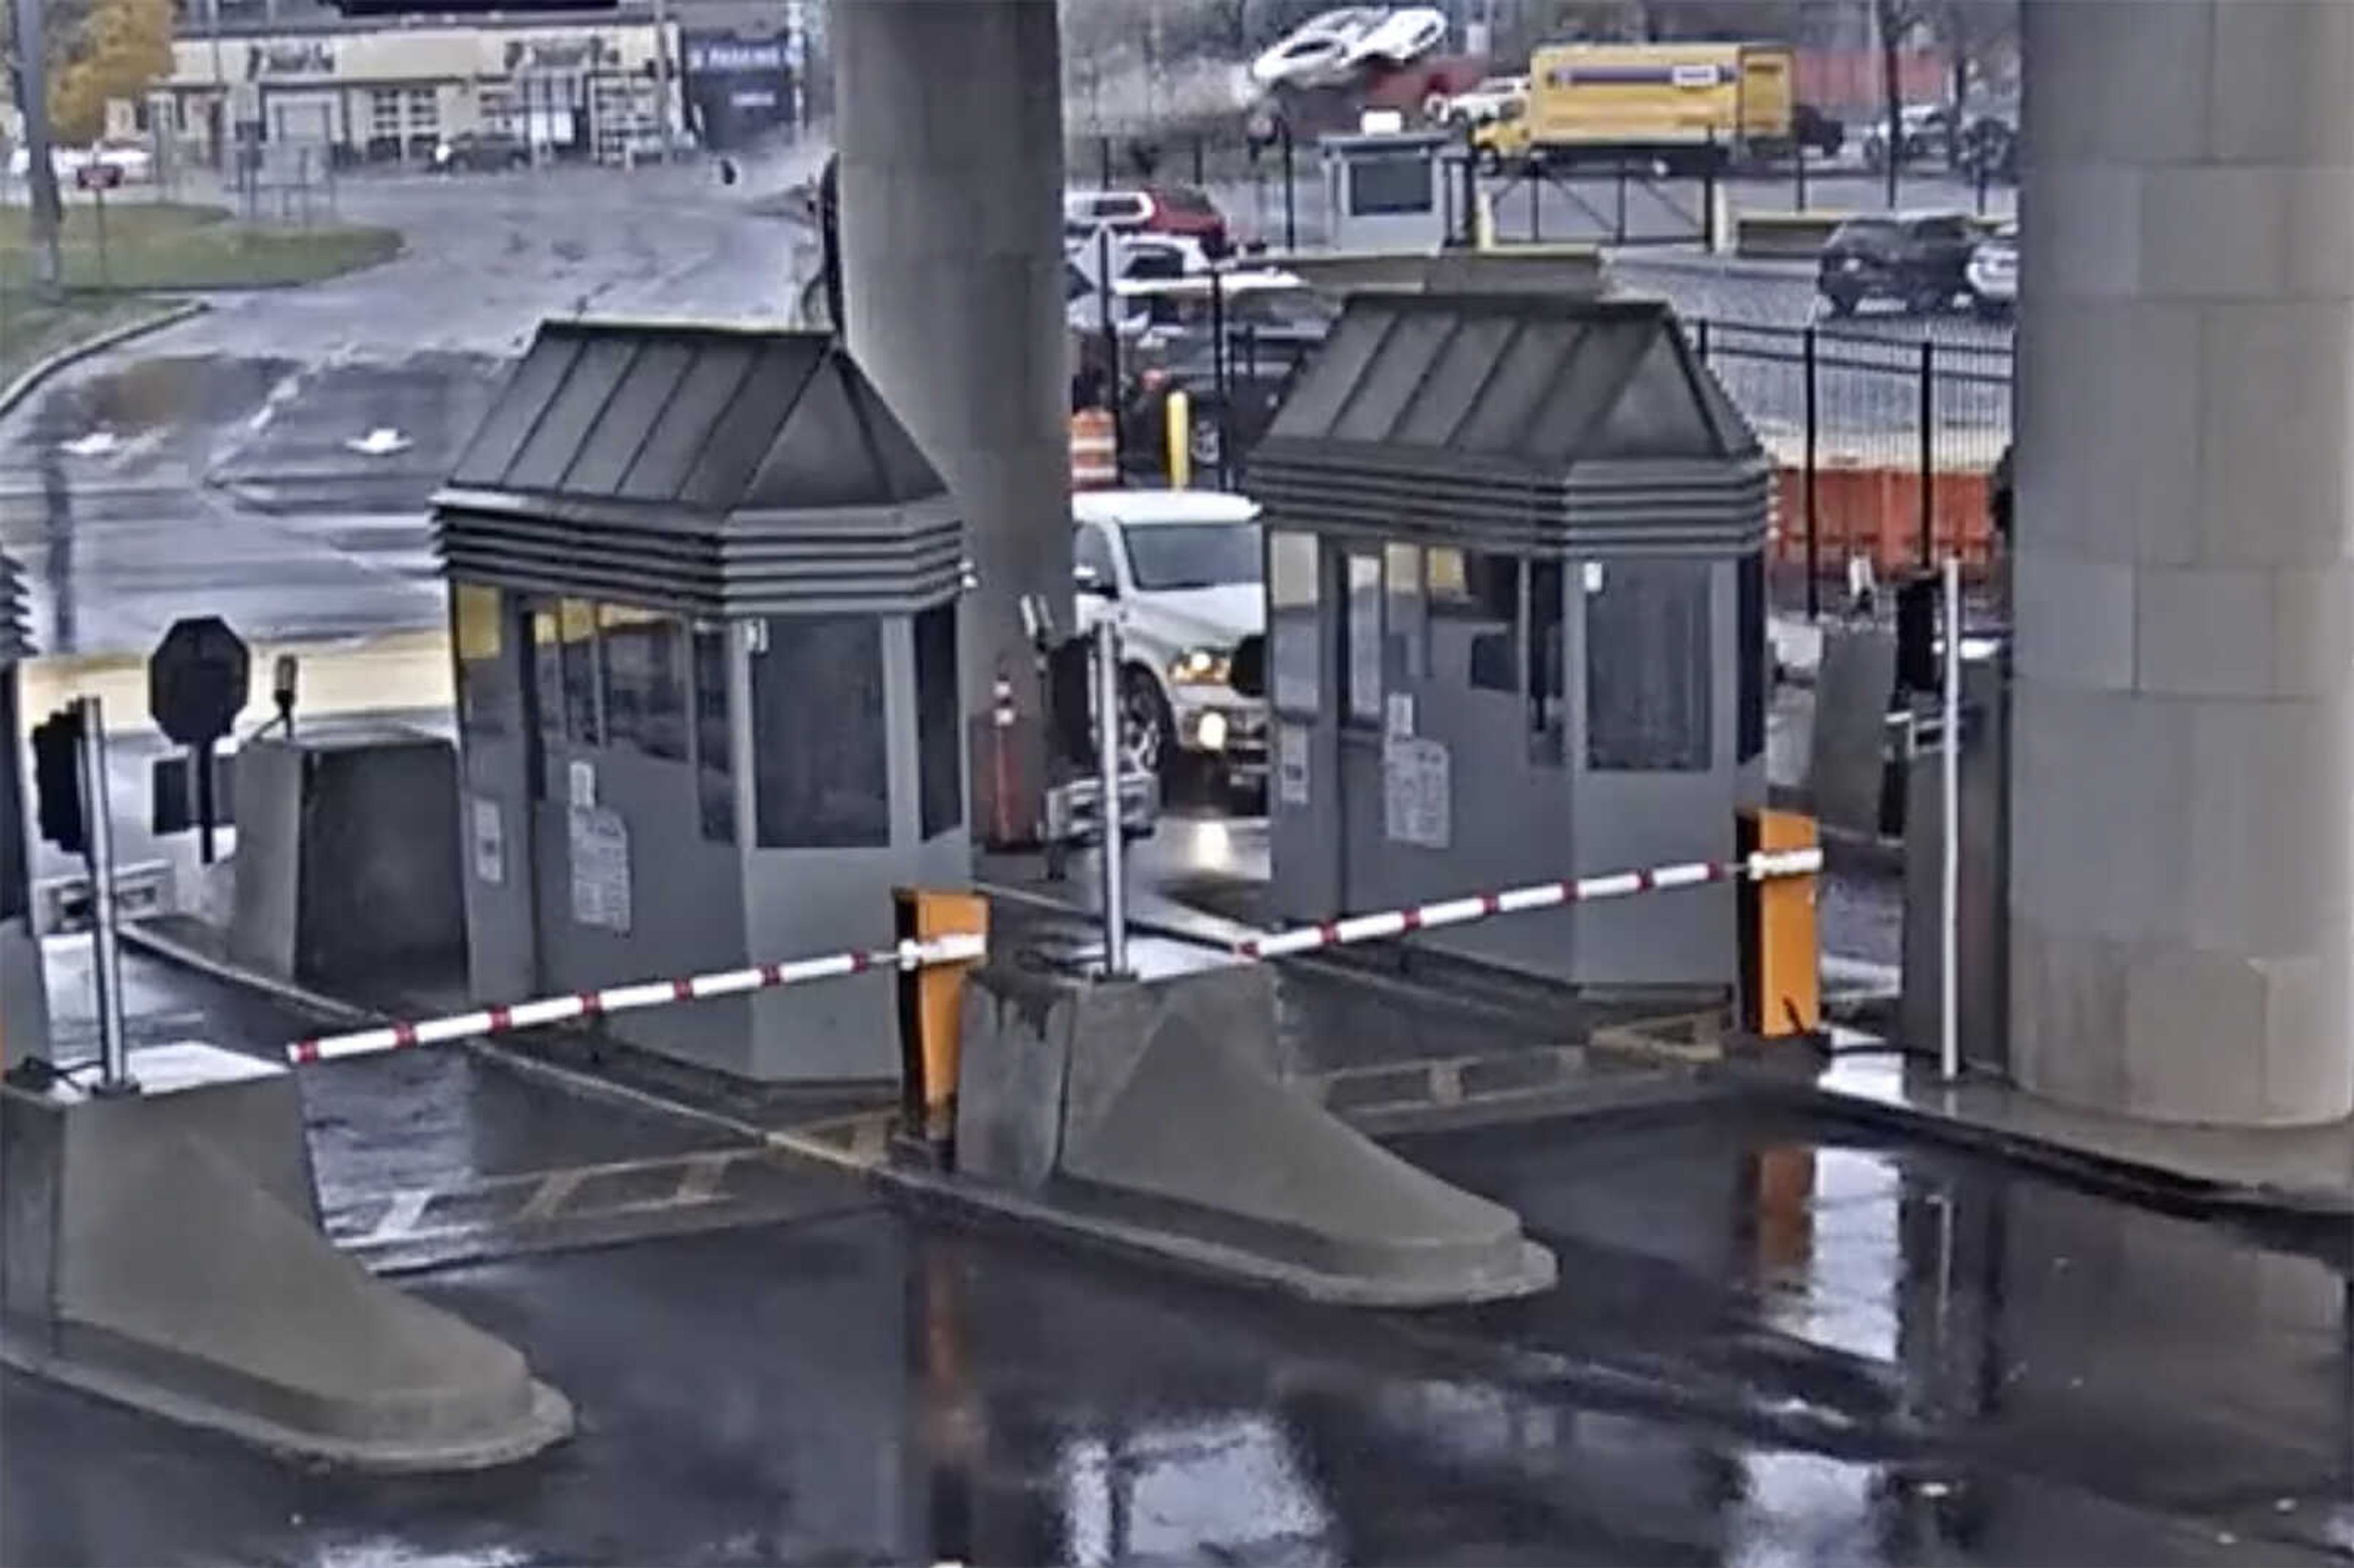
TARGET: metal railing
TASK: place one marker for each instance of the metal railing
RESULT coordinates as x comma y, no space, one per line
1883,441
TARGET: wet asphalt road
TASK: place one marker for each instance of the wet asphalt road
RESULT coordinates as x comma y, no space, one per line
1776,1341
1722,1380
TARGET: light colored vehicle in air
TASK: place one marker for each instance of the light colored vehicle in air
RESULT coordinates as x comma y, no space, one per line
1185,571
1401,37
1320,52
1993,273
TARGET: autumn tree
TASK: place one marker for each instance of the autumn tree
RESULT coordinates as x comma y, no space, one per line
119,49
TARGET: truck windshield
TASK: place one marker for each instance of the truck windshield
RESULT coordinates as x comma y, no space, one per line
1171,556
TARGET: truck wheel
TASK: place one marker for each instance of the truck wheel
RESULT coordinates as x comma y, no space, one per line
1148,732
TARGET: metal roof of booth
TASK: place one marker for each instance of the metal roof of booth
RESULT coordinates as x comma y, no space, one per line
1528,422
713,470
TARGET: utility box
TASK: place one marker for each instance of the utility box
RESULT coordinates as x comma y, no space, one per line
1389,191
704,603
1516,628
1983,927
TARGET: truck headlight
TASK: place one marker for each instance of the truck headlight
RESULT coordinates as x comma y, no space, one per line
1199,667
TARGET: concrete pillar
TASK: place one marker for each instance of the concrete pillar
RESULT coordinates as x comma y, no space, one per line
949,123
2183,846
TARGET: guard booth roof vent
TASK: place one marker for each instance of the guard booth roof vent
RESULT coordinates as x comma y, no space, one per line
1539,423
709,470
16,639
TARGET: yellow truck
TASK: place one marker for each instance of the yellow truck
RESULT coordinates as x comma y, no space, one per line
1688,106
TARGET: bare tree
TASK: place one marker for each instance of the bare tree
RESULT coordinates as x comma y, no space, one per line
28,54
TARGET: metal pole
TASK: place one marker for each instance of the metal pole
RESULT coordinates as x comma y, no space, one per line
1115,397
205,804
1219,379
1290,198
1814,513
661,75
1949,871
1928,453
1801,149
106,958
1107,771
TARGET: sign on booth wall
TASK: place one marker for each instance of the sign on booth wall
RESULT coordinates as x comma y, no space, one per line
600,869
1418,796
1292,764
490,844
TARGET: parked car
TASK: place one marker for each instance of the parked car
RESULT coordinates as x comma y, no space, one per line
1490,99
1922,127
1918,260
134,162
480,152
1272,322
1993,273
1184,569
1155,209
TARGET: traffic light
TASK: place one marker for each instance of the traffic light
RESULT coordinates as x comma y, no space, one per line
56,780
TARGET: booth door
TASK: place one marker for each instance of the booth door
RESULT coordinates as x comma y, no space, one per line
1652,680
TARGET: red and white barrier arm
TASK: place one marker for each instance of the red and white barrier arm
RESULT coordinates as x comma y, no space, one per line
623,999
1767,865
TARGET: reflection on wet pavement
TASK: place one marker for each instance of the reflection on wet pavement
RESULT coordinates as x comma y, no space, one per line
1767,1348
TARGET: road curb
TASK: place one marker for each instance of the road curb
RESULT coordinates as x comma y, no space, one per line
26,383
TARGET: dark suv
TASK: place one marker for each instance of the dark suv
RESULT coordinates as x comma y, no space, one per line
1920,260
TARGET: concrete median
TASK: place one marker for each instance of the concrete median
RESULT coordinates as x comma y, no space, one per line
164,1250
1150,1111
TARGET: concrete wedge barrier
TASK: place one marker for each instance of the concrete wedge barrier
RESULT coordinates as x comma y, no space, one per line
163,1251
1151,1113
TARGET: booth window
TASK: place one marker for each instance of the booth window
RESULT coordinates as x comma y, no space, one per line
485,701
577,626
542,684
1360,615
1382,187
939,747
1475,604
1750,577
1646,666
645,681
1404,629
715,750
820,755
1548,709
1292,596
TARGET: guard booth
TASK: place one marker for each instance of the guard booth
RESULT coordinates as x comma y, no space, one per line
704,606
1388,191
23,1006
1516,625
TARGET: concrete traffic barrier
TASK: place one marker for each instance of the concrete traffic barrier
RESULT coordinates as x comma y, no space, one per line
164,1250
1150,1110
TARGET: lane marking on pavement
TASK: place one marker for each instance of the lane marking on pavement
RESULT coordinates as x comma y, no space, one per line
550,1196
700,1181
400,1219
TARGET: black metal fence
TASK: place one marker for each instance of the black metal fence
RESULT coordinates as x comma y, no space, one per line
1882,442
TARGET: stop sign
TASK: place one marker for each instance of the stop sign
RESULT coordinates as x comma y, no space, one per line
197,680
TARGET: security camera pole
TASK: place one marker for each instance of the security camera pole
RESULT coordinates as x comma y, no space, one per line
40,176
